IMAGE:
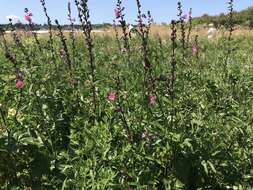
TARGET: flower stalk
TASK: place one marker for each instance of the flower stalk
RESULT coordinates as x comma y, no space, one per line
84,17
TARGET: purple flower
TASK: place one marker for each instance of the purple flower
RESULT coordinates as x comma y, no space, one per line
152,99
117,13
184,17
111,97
28,15
28,18
195,50
20,84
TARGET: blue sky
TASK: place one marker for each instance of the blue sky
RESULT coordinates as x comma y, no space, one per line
103,10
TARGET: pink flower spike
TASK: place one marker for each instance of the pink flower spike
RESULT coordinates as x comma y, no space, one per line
117,13
152,99
20,84
195,50
111,97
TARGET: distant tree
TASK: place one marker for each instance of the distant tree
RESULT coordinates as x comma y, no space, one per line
244,18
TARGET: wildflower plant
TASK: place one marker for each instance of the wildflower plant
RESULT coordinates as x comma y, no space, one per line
143,31
182,19
84,17
72,33
50,43
28,18
120,17
171,84
190,25
229,41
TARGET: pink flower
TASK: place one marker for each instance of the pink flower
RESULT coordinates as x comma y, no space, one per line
195,50
111,97
152,99
29,14
117,13
20,84
28,18
184,17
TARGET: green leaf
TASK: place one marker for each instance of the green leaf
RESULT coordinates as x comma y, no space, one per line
212,167
64,184
203,163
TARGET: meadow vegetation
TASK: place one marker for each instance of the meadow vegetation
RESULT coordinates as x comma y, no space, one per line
139,113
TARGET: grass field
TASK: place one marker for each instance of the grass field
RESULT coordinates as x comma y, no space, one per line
104,112
163,31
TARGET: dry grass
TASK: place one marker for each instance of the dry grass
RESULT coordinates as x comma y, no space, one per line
165,31
158,30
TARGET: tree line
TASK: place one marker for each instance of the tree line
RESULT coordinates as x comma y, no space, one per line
242,18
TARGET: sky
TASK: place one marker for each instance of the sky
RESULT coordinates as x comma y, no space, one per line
102,11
